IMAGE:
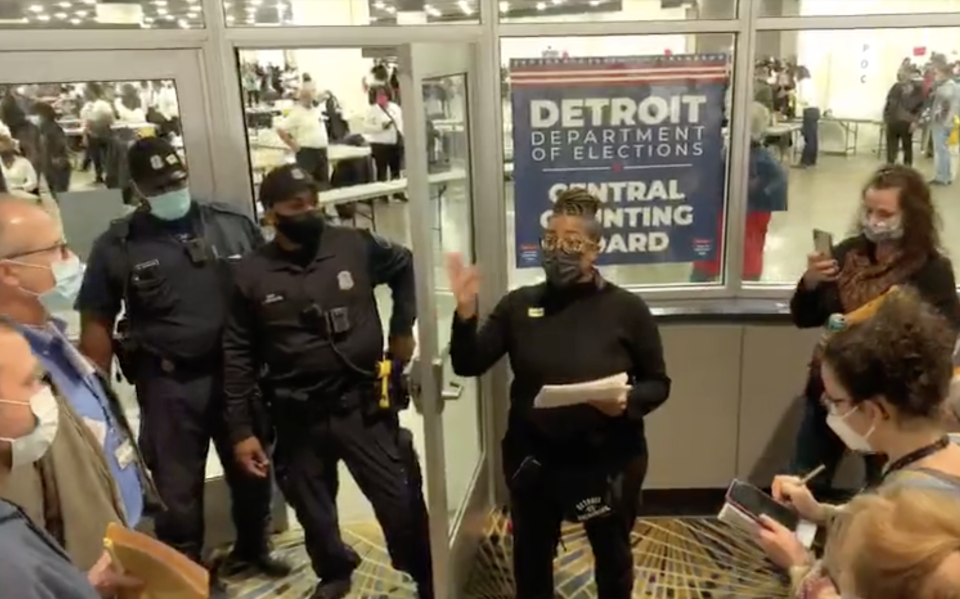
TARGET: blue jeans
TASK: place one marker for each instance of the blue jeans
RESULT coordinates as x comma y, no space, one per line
811,136
939,135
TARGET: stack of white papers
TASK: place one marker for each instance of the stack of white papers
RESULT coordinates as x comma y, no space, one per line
610,388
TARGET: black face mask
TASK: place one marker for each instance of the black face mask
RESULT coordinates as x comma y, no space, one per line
302,229
562,268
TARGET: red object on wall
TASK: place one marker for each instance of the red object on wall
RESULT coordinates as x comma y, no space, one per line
920,51
668,52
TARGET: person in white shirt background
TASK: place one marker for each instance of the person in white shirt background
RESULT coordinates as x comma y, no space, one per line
304,132
129,106
384,131
19,174
809,108
98,117
169,107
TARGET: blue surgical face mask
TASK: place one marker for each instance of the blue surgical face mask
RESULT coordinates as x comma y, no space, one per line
171,205
67,276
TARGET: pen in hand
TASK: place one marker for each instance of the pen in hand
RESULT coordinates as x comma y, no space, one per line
812,474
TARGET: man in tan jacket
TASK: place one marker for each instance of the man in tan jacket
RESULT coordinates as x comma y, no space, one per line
93,473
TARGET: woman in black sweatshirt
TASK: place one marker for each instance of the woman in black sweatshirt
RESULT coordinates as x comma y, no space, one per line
582,463
897,244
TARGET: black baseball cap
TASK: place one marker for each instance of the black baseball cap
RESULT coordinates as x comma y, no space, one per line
283,183
154,163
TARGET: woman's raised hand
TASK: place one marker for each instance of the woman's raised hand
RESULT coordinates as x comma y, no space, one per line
465,285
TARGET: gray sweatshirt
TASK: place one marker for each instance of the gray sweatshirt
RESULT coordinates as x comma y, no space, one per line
32,565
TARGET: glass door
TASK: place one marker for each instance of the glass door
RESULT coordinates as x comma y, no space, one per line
49,95
438,84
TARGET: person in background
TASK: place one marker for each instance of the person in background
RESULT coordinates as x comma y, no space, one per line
808,103
169,107
305,134
897,244
98,118
251,84
384,131
583,463
128,106
32,564
943,112
762,90
54,150
349,172
307,85
19,174
903,542
147,96
885,379
900,116
767,193
92,474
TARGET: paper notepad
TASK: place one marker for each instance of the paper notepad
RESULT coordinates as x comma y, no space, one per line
165,572
559,396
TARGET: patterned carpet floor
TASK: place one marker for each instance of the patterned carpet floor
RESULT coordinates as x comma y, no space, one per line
675,558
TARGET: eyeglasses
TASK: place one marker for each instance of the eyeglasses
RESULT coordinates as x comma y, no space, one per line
61,247
570,245
833,405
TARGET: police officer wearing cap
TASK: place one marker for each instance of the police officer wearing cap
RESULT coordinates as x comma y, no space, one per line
166,266
304,316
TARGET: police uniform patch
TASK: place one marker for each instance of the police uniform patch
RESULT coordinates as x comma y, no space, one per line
172,160
345,280
535,312
156,162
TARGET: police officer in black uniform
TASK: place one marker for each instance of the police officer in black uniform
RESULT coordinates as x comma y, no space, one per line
167,266
304,316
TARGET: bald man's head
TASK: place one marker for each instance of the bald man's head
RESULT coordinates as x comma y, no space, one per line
25,226
31,242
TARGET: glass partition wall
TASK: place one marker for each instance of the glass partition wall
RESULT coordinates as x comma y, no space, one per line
654,105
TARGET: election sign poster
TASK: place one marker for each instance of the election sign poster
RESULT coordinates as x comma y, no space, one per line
644,134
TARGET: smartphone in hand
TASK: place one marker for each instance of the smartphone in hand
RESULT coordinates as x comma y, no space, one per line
823,242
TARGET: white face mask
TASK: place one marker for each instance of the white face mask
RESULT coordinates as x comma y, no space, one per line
851,438
34,445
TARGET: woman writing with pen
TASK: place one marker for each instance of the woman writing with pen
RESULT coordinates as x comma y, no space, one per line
582,463
885,381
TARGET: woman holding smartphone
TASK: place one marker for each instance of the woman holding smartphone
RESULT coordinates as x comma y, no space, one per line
897,243
581,463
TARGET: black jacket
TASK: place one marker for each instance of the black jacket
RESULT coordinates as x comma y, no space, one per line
934,282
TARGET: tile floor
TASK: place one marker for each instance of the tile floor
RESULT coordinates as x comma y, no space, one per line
674,558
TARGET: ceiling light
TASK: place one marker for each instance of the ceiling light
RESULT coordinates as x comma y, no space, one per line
60,15
504,7
432,11
75,21
541,6
555,2
379,5
64,5
228,5
36,8
231,19
594,3
43,18
162,12
183,24
391,10
82,13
